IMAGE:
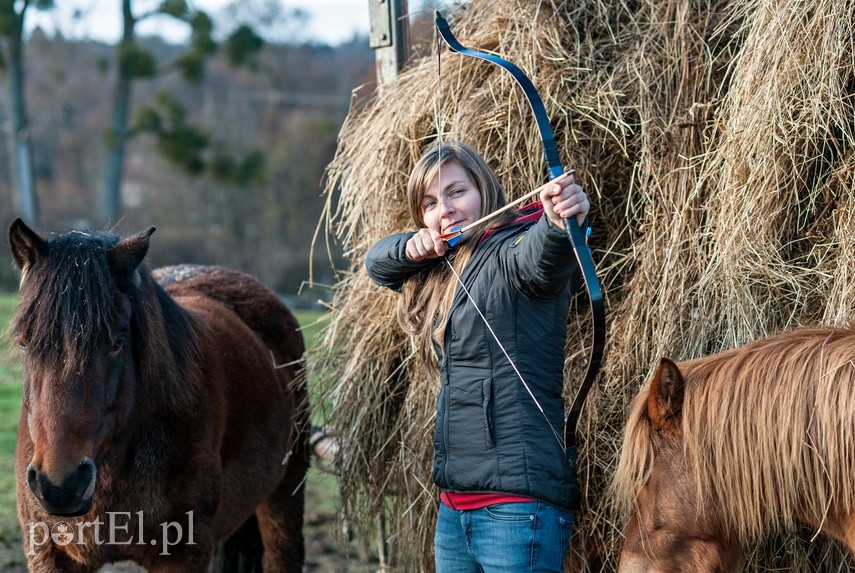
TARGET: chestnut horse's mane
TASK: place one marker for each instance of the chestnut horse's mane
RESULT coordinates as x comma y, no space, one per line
67,312
768,430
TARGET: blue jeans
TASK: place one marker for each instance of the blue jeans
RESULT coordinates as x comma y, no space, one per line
512,537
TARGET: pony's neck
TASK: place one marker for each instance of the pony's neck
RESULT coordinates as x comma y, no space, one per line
167,358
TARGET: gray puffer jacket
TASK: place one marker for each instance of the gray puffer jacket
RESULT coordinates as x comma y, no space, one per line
490,435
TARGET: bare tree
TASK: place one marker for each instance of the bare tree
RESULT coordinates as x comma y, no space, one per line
12,15
134,62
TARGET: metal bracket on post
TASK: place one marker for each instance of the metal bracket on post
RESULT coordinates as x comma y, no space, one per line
389,37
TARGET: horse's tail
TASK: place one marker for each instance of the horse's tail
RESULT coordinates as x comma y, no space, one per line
243,552
636,456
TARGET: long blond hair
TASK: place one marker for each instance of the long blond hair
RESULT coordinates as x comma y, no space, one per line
426,297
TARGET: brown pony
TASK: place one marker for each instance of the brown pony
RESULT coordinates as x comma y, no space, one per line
158,420
721,451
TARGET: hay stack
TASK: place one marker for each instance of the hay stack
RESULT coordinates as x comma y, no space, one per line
715,138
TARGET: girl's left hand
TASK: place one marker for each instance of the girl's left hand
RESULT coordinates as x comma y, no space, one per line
563,199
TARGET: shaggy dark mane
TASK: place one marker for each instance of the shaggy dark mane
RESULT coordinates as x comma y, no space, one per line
67,308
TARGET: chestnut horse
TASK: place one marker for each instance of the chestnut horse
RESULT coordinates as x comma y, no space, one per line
158,420
721,451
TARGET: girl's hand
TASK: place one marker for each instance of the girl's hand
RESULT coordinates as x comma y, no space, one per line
425,245
563,199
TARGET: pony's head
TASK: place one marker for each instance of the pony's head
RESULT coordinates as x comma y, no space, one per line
726,449
73,327
672,527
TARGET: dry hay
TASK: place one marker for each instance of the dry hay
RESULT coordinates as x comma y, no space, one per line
715,139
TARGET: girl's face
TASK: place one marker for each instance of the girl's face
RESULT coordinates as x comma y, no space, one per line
452,201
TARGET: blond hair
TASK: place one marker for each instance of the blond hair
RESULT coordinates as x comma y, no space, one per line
426,297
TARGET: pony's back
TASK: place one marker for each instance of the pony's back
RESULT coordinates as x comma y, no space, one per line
253,302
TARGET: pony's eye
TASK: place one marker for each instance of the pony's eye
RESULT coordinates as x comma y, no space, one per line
117,346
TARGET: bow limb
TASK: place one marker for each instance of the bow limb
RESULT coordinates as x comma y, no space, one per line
574,231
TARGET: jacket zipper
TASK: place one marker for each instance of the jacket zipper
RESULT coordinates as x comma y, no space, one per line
445,410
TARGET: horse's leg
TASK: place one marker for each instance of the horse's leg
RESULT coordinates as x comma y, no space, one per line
280,521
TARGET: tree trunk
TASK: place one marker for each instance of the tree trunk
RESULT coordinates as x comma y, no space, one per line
111,194
20,149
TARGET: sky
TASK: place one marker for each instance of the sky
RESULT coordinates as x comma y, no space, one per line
330,21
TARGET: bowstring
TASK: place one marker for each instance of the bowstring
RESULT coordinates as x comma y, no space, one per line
437,102
505,352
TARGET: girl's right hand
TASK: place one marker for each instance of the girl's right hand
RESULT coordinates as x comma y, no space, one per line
425,245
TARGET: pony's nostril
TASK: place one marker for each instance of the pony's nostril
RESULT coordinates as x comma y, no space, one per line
33,479
86,472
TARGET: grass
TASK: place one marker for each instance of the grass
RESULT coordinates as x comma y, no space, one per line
322,489
11,555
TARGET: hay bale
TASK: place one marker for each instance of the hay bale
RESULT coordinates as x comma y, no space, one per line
715,138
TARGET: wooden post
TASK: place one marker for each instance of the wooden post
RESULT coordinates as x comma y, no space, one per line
389,37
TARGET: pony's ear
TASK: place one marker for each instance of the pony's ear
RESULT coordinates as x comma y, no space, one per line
665,398
27,245
125,257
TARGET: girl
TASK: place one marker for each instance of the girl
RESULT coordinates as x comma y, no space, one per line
490,316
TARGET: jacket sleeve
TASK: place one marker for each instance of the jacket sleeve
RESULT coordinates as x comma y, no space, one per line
387,263
542,262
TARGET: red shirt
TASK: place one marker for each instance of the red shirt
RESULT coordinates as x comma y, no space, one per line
529,213
467,501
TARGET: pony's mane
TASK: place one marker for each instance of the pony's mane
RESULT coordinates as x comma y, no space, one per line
637,455
67,313
768,429
66,306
